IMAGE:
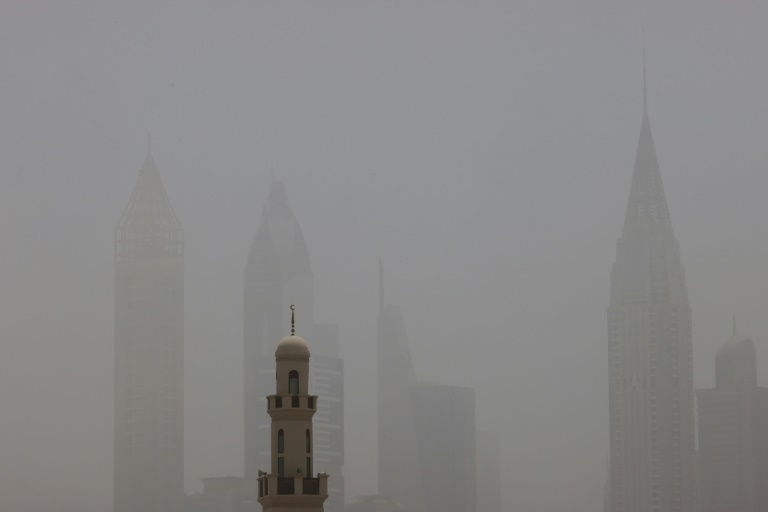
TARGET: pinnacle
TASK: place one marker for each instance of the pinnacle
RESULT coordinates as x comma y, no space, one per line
149,205
647,202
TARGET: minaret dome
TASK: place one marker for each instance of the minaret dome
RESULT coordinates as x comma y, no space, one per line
292,346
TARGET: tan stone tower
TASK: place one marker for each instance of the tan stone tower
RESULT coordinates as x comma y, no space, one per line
290,485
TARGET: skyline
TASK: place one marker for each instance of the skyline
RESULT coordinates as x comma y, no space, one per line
526,121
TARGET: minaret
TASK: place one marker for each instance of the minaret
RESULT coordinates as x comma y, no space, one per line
290,485
652,448
278,273
149,351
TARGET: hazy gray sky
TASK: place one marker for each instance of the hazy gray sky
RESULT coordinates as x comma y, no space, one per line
483,149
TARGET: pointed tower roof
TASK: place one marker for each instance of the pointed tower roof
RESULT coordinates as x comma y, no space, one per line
279,248
148,228
149,206
647,202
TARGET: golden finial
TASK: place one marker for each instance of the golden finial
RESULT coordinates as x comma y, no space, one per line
293,320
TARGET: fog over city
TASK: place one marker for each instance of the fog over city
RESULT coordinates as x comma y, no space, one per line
482,150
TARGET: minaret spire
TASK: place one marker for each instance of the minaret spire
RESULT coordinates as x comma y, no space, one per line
293,320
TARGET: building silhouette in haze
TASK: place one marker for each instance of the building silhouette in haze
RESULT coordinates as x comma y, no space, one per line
398,460
277,274
652,444
445,436
488,470
733,433
427,436
149,351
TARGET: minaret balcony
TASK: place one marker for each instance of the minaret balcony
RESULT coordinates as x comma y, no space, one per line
276,403
275,485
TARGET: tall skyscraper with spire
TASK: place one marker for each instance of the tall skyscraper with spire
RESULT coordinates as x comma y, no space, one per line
652,452
149,351
277,274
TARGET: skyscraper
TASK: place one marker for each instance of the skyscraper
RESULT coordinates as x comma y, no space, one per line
427,437
445,434
149,351
277,274
399,471
652,467
733,433
488,447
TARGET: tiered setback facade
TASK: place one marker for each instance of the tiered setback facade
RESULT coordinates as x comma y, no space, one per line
149,351
652,452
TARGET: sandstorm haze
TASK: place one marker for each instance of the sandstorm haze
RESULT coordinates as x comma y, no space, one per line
483,150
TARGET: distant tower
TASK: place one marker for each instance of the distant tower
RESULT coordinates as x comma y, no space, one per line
149,351
289,486
278,273
733,433
652,444
445,434
398,457
488,469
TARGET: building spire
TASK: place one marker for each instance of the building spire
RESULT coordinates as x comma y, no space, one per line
381,286
645,88
647,201
293,320
734,325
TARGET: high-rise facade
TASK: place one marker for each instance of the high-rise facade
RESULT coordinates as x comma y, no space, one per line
488,448
733,433
427,456
652,440
445,436
278,273
149,351
398,460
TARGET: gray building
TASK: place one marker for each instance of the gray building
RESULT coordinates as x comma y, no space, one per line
733,433
398,460
445,435
652,443
149,351
220,494
277,274
488,471
427,438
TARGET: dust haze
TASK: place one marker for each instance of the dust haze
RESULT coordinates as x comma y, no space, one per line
482,150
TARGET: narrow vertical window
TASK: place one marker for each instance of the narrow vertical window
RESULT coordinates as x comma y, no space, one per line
280,441
281,466
309,467
308,443
293,382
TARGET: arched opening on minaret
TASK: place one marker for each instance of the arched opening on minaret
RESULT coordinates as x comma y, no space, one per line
293,382
280,441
